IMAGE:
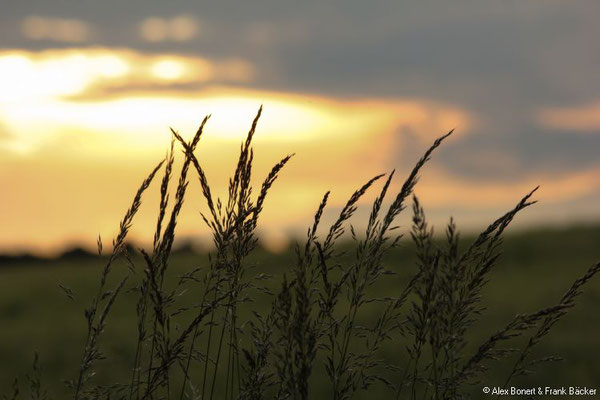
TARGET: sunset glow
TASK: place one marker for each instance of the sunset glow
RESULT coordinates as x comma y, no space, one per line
41,103
93,121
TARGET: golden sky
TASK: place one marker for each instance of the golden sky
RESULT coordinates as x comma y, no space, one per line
81,125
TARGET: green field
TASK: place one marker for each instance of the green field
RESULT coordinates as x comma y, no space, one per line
535,269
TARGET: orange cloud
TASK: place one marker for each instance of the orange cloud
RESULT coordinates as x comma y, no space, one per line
585,118
440,189
178,29
55,29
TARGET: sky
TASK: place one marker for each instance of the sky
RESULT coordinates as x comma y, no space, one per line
89,90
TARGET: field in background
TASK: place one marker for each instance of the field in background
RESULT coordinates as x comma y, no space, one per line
534,271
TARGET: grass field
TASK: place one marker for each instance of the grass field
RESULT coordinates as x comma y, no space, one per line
534,271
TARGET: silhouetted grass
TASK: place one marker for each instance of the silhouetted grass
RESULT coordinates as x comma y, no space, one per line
232,331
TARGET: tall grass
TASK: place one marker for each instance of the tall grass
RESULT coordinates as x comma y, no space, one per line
201,336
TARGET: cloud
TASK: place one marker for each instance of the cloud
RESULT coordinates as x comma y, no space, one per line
584,118
441,189
265,33
68,30
126,91
182,28
27,76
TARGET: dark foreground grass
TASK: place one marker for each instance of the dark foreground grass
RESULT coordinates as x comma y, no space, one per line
36,316
421,317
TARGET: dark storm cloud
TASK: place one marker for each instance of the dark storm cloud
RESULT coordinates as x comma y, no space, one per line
501,61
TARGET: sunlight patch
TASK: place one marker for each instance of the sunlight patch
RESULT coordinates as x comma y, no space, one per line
52,74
